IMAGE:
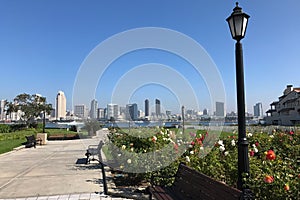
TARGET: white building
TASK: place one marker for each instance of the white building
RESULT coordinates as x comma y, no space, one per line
81,111
2,110
285,111
112,111
61,105
94,109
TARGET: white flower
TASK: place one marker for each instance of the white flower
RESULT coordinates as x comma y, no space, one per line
180,132
190,146
255,149
129,161
192,152
253,145
132,149
220,142
222,148
226,153
187,159
202,148
271,136
119,154
154,138
233,143
123,147
249,134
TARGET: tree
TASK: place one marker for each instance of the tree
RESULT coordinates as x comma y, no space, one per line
92,126
31,106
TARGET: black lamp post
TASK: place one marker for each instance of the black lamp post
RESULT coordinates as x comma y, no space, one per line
237,22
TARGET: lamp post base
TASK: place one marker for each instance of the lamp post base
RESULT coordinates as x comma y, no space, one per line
247,195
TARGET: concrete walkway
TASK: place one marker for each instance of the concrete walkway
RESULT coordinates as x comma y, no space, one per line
53,171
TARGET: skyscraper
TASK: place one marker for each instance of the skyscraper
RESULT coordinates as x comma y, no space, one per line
146,107
112,111
157,107
220,111
132,112
2,110
94,107
61,105
258,111
81,111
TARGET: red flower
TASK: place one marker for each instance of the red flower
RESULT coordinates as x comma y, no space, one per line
270,155
199,140
251,153
257,144
269,179
291,132
286,187
193,143
176,147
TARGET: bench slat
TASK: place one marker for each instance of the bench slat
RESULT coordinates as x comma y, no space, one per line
191,184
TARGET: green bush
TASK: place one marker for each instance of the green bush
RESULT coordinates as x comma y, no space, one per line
4,128
276,178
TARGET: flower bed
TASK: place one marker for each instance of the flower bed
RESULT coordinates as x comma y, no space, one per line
274,159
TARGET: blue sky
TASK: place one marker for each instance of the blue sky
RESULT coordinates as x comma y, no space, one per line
44,43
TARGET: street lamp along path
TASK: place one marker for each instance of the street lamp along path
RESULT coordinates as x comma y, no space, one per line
238,22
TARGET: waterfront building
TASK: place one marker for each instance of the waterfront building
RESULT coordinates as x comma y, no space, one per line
132,112
94,109
146,108
61,105
112,111
2,110
285,111
101,113
141,114
205,112
81,111
157,107
258,111
220,110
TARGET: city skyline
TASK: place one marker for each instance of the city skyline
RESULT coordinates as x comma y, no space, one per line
45,43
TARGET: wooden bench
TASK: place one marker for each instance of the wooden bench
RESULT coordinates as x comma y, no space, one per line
192,185
31,141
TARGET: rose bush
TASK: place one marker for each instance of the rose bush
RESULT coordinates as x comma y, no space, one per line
274,158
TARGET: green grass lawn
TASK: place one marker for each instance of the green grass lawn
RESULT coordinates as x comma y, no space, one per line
9,141
9,145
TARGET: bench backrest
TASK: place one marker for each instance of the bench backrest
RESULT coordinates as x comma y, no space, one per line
30,138
190,184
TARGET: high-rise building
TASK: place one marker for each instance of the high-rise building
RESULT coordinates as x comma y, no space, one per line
258,111
205,112
112,111
61,105
81,111
2,109
101,113
94,109
220,110
157,107
132,112
146,108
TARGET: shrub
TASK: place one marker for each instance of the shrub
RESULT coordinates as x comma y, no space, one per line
274,159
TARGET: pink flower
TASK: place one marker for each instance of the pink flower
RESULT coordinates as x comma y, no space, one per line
252,153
